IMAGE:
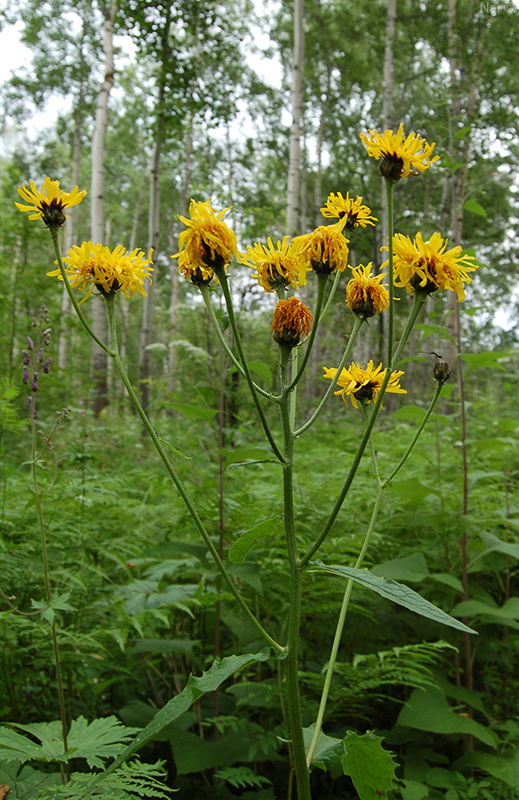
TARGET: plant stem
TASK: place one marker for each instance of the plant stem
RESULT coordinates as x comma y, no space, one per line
206,294
321,286
356,327
65,775
222,277
391,315
110,305
294,614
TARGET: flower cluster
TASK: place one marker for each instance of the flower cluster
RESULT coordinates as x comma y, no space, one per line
93,266
206,245
355,212
429,266
365,295
324,251
49,202
292,321
401,157
364,383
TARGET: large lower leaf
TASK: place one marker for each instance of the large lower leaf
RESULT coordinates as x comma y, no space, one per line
195,688
370,767
397,592
506,768
428,710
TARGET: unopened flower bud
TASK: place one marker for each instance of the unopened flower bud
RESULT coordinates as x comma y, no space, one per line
40,355
441,369
26,357
30,343
34,384
32,410
25,374
45,367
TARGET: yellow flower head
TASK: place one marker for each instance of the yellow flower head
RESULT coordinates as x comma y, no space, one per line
207,243
428,266
364,383
365,295
93,266
275,268
401,157
48,202
325,250
353,210
292,321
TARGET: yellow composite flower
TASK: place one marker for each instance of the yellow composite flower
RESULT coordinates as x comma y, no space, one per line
208,243
325,250
292,321
49,202
366,295
92,266
356,213
364,383
428,266
401,157
275,268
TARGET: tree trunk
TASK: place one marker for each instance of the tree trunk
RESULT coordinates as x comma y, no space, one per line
99,324
296,102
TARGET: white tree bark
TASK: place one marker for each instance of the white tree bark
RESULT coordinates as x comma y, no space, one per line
99,324
296,102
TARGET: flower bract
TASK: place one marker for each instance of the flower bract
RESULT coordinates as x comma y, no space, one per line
292,321
325,250
275,267
49,202
208,243
93,266
428,266
366,295
356,213
364,383
401,156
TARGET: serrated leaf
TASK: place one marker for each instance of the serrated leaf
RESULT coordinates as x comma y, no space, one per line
98,740
397,593
196,687
370,767
246,541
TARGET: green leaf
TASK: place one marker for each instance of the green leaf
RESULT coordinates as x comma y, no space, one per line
410,568
494,544
245,455
485,360
195,412
505,768
329,750
428,710
245,543
195,688
261,369
370,767
397,593
413,790
174,449
472,205
181,646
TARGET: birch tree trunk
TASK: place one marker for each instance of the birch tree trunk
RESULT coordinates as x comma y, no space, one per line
296,102
99,325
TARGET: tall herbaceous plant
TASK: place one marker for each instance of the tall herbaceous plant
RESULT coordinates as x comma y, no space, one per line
207,247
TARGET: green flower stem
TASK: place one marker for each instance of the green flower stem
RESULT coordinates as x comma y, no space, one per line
340,627
294,614
356,328
65,773
419,430
79,312
391,289
110,305
335,283
418,301
293,395
206,294
222,277
321,286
